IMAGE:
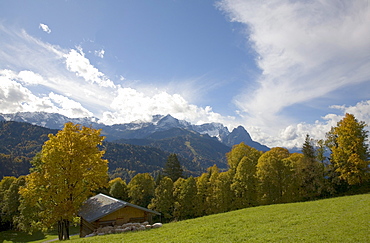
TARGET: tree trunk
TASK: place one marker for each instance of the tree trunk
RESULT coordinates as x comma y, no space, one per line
63,229
60,230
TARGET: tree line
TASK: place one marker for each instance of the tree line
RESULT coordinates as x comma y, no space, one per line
335,166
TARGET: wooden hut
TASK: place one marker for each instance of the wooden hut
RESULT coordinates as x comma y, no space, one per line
102,210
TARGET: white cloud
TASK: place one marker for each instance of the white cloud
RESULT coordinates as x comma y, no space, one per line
45,28
78,63
100,53
294,135
31,78
361,110
40,76
12,94
14,97
69,107
130,105
305,50
298,54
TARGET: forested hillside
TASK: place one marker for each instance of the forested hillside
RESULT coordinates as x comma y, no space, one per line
21,141
126,160
201,150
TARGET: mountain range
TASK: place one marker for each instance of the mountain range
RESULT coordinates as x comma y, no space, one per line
131,132
20,142
130,148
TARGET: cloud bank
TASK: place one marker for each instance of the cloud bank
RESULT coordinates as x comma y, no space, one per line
39,76
305,50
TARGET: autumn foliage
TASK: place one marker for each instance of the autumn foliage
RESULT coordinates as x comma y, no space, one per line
70,166
69,169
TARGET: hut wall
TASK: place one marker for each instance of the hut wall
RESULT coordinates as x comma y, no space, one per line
86,228
119,217
125,215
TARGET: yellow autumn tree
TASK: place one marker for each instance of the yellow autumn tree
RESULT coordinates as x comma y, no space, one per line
272,173
69,169
244,184
349,150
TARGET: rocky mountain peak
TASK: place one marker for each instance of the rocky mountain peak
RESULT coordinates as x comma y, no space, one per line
139,130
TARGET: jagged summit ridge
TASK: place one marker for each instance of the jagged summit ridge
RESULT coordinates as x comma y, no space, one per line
138,130
213,129
45,119
171,122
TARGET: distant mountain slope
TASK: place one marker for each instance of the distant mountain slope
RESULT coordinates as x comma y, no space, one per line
20,141
138,130
201,149
127,158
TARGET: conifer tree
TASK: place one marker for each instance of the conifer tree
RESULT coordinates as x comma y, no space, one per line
310,171
172,168
308,149
320,152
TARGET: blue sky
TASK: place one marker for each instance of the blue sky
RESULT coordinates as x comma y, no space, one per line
280,68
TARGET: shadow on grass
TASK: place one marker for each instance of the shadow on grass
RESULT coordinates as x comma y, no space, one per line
17,236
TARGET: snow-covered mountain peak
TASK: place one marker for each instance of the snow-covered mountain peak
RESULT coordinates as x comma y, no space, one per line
213,129
171,122
137,130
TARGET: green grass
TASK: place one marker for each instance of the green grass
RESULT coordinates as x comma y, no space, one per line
38,237
343,219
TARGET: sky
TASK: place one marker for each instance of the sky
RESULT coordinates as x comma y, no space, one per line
280,68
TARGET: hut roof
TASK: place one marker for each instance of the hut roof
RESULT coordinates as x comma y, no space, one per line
101,205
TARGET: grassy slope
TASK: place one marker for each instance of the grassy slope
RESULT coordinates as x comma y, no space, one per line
344,219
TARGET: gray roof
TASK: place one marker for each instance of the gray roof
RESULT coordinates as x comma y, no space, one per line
101,205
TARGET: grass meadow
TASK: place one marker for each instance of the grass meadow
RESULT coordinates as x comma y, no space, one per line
342,219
